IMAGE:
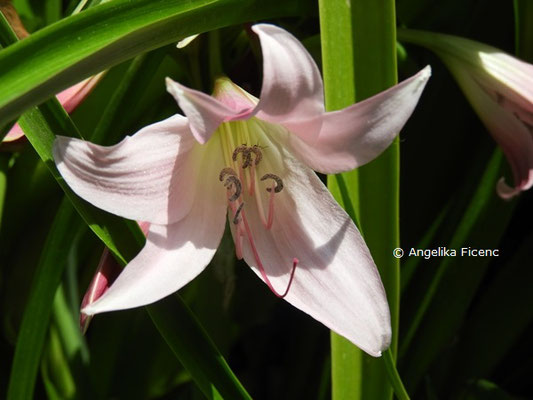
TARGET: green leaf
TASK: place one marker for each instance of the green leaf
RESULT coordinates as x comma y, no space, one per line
93,40
58,380
524,29
34,325
359,60
195,350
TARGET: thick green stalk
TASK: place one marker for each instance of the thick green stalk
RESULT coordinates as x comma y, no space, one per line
524,29
359,60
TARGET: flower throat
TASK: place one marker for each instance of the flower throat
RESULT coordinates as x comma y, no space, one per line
240,178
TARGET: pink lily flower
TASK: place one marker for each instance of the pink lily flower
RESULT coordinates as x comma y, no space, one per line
69,98
252,161
500,89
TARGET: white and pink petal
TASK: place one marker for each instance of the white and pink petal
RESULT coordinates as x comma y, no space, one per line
514,135
174,254
336,281
149,176
205,113
292,92
355,135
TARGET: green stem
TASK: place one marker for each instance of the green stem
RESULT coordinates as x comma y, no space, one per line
524,29
359,60
394,377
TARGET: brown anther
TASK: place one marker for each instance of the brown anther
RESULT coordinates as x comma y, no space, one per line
236,218
226,171
247,157
233,180
256,149
239,149
277,179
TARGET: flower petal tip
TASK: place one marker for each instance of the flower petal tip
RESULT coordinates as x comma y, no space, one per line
426,72
423,75
172,87
88,311
505,191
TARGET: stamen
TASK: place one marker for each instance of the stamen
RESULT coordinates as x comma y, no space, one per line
270,220
277,179
256,149
251,186
226,171
247,157
233,180
236,218
238,234
239,149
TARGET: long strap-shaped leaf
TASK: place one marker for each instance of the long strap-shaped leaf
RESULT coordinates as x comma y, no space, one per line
102,36
359,59
206,365
34,324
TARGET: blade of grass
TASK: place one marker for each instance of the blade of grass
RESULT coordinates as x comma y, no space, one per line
86,43
359,60
34,324
58,380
